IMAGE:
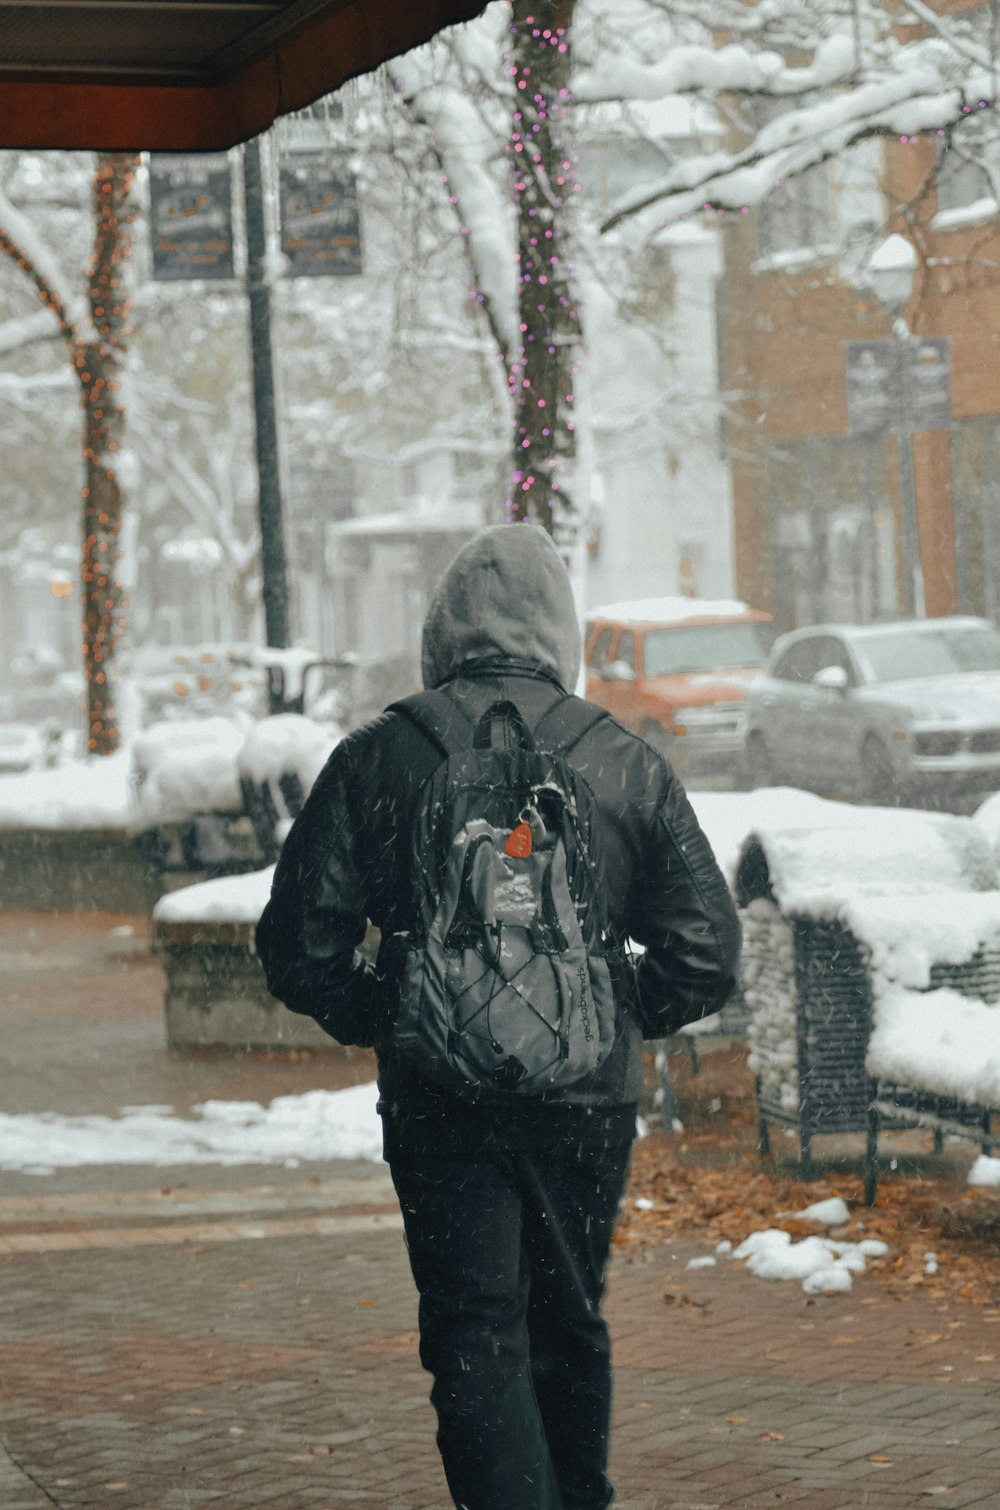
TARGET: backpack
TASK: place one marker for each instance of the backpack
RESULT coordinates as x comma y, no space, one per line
505,985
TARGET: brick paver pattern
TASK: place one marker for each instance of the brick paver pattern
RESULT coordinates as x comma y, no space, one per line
273,1363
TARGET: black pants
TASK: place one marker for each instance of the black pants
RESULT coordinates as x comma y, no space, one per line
508,1252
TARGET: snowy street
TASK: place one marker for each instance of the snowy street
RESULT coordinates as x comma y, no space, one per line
176,1334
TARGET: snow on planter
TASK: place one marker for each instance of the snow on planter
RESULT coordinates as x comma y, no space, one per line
216,994
834,913
238,900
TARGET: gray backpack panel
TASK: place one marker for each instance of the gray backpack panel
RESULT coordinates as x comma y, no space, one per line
506,985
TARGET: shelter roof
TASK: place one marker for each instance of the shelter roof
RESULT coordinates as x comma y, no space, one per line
189,75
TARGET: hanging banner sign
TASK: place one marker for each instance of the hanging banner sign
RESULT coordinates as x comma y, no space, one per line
320,226
873,386
869,371
192,215
930,384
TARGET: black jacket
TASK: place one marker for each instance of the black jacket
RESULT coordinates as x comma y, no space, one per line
346,862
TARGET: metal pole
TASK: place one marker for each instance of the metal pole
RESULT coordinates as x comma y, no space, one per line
272,542
913,579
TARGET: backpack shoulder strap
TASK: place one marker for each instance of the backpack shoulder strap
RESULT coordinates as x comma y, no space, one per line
564,724
438,717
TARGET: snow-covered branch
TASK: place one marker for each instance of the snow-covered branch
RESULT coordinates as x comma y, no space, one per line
27,330
469,138
731,69
20,240
921,90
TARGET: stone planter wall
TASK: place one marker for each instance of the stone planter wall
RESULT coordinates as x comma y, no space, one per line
83,870
216,995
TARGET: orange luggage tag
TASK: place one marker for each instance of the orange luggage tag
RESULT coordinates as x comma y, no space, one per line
519,845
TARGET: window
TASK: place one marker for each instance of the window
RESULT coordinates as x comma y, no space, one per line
801,661
707,647
832,652
969,162
930,652
600,650
626,648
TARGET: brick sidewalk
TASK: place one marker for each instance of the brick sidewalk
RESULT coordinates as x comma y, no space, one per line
245,1337
213,1365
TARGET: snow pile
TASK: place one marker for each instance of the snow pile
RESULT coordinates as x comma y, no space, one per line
227,899
288,742
79,795
822,1264
314,1125
768,978
985,1171
186,766
830,1213
937,1041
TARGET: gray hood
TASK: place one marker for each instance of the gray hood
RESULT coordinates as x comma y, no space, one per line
506,594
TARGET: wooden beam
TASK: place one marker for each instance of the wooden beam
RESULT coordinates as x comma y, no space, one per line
77,110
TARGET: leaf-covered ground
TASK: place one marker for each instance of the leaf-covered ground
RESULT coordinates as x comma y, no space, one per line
708,1182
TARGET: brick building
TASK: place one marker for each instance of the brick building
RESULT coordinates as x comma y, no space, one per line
820,495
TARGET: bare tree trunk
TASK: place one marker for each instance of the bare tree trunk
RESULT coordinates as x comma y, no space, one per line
544,161
98,364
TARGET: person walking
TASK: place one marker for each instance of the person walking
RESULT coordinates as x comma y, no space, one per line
505,1012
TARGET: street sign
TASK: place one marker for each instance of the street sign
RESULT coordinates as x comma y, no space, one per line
930,384
192,215
873,379
320,226
869,372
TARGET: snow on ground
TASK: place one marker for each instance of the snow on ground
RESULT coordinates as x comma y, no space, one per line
985,1171
823,1265
315,1125
81,794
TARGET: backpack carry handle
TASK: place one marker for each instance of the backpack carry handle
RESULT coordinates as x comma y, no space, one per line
497,723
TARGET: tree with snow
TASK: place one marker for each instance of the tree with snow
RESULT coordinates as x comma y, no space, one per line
790,84
95,330
799,84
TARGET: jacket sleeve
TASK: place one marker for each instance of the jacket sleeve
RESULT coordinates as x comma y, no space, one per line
686,920
310,931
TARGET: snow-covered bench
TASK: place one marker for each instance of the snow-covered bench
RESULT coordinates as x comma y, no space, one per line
838,914
934,1052
215,796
